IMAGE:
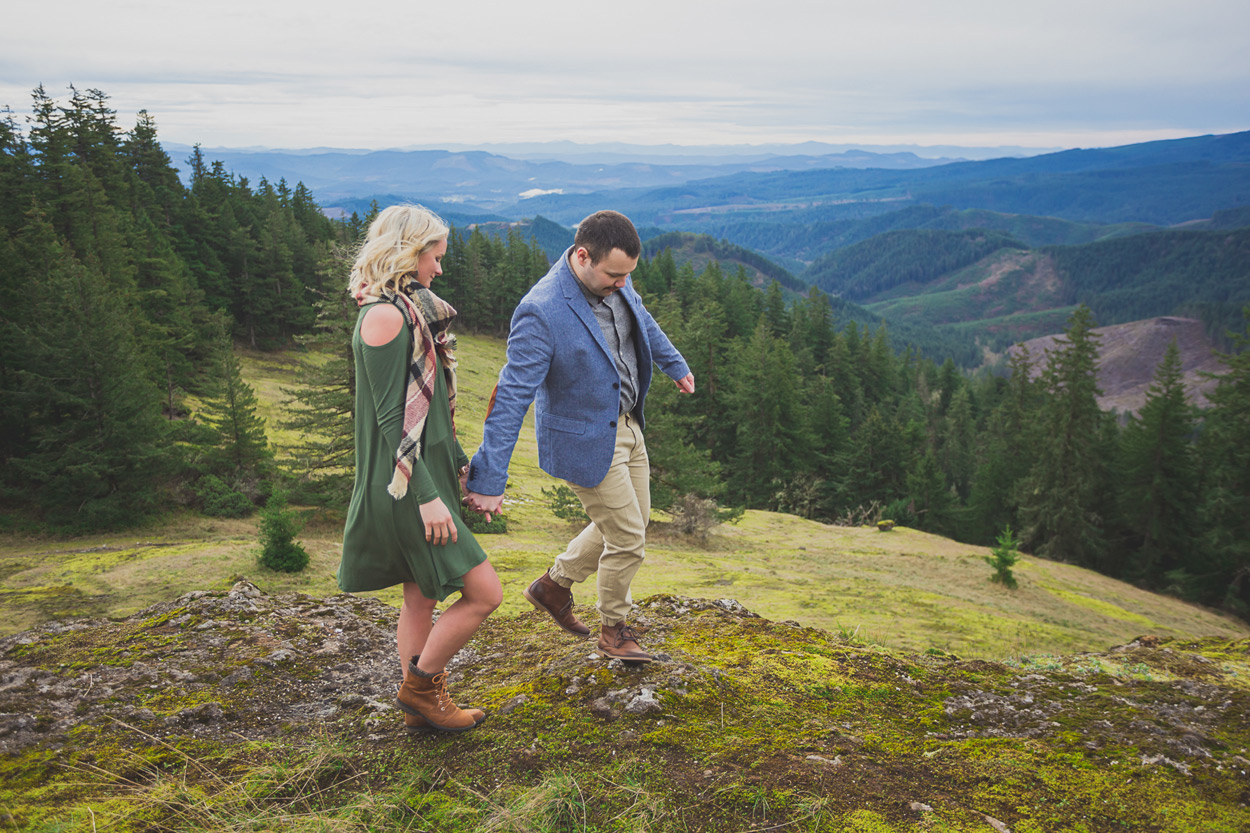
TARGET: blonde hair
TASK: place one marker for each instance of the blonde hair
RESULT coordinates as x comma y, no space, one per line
396,239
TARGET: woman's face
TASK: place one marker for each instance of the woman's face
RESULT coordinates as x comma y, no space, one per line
430,263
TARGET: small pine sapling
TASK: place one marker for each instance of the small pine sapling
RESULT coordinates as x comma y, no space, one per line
1003,557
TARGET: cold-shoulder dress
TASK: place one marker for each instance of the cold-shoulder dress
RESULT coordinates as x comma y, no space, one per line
384,540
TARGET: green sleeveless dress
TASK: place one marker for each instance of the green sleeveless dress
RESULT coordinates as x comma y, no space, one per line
384,540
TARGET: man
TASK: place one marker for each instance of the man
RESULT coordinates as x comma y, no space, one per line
581,345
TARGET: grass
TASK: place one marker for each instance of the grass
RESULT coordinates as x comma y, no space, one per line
907,590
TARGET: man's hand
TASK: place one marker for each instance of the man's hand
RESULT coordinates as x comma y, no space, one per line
487,505
686,383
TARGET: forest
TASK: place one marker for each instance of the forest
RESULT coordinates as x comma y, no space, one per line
125,292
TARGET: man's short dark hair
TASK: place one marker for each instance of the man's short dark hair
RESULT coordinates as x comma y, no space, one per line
604,231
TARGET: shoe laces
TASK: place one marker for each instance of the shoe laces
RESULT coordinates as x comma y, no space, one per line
625,634
440,689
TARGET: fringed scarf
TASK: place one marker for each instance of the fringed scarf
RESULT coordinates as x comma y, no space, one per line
429,317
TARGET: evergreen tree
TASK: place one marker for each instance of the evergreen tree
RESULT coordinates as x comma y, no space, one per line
321,412
1217,571
1008,453
240,451
1159,482
931,500
772,446
96,457
1062,489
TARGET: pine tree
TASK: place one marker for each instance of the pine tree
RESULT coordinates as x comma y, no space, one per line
240,452
1218,570
931,500
96,457
1159,482
1061,491
772,446
321,412
1008,453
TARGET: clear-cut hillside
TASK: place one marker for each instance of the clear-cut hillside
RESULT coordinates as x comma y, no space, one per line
1128,355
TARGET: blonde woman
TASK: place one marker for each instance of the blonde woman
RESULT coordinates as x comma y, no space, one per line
404,525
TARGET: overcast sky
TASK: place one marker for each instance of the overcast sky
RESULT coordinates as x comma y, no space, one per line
375,74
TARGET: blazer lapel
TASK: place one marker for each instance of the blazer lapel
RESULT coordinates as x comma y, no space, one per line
581,308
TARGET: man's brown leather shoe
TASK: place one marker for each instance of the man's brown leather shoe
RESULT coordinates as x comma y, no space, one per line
546,594
620,642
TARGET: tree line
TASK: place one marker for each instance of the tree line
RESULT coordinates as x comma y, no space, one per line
123,292
798,411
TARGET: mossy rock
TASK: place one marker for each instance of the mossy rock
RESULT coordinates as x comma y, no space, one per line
225,708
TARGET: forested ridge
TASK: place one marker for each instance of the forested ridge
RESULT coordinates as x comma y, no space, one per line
124,290
1203,274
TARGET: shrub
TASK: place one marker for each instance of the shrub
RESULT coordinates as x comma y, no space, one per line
1003,557
279,550
694,515
563,503
219,500
478,526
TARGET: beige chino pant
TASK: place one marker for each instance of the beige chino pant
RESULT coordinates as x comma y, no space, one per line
613,543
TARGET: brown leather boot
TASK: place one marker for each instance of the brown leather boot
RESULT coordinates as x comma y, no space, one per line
545,594
427,705
620,642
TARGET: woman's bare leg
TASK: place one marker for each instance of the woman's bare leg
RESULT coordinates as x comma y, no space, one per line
415,620
479,597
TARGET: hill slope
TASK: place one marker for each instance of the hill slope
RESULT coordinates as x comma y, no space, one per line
905,589
239,710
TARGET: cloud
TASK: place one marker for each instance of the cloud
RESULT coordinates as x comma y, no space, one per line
381,74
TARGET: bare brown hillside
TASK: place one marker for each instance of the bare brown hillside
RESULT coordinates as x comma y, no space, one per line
1129,353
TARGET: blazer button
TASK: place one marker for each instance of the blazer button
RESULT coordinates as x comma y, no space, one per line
612,423
616,386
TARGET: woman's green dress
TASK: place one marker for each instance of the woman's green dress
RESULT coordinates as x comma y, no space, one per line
384,540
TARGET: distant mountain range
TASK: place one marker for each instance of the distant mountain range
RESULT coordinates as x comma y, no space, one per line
488,181
956,256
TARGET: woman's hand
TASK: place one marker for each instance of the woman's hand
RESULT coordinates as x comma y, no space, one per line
440,528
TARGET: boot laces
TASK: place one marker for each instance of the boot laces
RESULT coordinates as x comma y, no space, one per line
440,689
625,634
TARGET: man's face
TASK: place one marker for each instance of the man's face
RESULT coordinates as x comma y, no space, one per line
606,276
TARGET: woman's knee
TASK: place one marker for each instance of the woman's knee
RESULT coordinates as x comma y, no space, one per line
483,590
415,601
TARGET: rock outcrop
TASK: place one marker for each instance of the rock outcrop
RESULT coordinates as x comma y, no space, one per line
740,723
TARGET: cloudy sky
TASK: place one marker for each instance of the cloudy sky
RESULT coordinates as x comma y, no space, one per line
377,73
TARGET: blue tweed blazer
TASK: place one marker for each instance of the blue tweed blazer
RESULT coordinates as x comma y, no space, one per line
558,359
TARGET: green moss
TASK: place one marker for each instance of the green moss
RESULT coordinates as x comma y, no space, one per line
1101,606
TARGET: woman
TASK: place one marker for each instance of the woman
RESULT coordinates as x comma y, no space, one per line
404,525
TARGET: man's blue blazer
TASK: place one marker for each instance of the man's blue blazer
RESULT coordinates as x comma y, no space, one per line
558,358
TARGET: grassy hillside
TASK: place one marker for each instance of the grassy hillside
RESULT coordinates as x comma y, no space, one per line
902,589
809,677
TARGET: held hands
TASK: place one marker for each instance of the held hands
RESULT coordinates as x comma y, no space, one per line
487,505
686,383
439,526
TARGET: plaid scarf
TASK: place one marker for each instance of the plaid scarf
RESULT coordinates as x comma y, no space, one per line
429,317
